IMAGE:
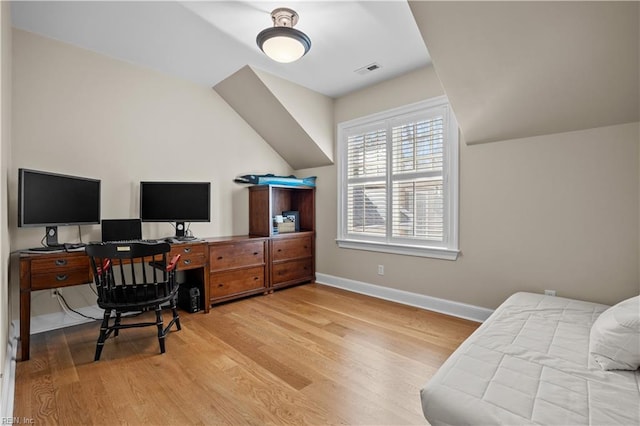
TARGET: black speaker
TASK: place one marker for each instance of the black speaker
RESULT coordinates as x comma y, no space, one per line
189,298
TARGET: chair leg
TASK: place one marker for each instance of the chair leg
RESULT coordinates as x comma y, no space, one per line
103,334
160,327
176,317
117,323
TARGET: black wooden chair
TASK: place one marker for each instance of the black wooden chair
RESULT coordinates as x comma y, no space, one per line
133,277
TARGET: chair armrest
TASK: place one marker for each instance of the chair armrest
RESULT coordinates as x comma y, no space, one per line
105,265
174,262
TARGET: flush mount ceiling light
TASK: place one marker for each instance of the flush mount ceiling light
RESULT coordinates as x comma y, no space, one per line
282,42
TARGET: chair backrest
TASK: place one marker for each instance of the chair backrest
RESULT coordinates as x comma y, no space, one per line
132,273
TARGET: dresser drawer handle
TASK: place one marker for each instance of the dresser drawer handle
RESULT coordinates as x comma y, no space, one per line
187,261
255,253
219,257
279,250
256,278
62,277
220,285
61,262
187,249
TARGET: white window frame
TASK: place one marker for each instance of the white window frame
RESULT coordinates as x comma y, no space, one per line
447,249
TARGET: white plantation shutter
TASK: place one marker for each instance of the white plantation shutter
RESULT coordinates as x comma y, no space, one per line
417,176
367,154
366,188
367,208
398,181
418,209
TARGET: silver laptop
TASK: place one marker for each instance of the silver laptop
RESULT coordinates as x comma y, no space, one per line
121,230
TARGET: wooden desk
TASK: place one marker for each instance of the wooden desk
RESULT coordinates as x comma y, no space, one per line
224,268
44,271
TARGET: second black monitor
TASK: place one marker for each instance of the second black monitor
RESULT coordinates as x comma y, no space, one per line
178,202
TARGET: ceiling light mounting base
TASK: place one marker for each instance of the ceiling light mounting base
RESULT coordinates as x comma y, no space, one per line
284,17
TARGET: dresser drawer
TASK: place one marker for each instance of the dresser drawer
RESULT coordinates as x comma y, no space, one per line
54,263
64,278
234,282
291,248
294,270
228,256
191,255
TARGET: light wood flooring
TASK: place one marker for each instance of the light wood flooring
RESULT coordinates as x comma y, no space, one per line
310,354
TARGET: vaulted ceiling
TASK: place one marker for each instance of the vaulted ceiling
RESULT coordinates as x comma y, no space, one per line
510,69
520,69
295,121
207,41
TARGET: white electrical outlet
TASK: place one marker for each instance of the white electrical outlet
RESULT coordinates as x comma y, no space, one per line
550,292
380,269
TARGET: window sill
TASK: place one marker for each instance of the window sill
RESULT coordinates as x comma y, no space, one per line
407,250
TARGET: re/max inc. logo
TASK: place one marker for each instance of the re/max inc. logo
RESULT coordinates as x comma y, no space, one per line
17,421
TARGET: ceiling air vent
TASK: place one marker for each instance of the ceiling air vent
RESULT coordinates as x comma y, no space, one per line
368,68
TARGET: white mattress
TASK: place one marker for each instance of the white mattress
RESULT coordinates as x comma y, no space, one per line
529,364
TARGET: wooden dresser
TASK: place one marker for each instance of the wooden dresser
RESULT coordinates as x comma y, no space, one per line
291,255
291,259
237,268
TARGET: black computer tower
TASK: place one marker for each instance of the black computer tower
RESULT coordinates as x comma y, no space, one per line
189,298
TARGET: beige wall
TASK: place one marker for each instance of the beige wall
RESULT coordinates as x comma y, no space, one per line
551,212
81,113
5,156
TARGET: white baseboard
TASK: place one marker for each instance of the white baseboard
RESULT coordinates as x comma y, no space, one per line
444,306
9,373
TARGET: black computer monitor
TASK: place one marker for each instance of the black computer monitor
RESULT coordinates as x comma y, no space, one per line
50,200
178,202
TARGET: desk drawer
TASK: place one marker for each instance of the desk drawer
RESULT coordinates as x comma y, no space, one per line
294,270
227,256
61,278
239,281
191,255
291,248
54,263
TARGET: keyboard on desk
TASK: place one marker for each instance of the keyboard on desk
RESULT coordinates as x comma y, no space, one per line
73,246
133,241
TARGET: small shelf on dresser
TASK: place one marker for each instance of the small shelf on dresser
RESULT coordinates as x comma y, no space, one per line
268,201
292,254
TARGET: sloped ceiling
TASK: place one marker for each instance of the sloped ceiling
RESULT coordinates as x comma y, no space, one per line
204,41
521,69
297,122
